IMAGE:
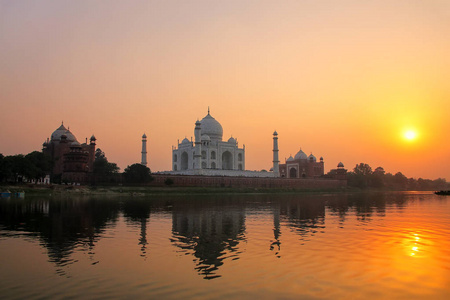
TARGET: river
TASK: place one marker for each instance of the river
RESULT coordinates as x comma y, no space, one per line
309,246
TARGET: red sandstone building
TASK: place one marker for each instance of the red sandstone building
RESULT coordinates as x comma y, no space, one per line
302,166
72,161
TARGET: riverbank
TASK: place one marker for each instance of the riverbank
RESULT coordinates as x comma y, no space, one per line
36,190
142,191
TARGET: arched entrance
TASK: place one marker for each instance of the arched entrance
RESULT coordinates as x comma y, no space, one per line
293,173
227,161
184,161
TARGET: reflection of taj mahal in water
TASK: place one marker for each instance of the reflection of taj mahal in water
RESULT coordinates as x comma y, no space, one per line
209,155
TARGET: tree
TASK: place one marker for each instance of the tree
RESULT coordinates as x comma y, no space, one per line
362,169
137,173
38,165
440,184
378,178
3,169
360,177
15,166
101,164
400,180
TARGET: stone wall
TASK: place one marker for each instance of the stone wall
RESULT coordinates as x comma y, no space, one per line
220,173
247,182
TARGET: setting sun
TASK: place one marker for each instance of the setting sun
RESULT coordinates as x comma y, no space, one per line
410,135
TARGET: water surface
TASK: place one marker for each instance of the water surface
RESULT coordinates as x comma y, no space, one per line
378,245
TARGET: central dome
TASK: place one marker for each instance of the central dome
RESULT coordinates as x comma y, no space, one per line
300,155
211,127
56,135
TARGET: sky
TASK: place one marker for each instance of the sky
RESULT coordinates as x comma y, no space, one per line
340,79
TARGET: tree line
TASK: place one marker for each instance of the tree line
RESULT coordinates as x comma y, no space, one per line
33,166
364,177
36,165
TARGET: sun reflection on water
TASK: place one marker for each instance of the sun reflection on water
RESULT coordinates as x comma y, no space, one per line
414,241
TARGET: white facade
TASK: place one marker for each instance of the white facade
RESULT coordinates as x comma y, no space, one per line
208,151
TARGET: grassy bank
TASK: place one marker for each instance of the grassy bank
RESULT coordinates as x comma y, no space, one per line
145,190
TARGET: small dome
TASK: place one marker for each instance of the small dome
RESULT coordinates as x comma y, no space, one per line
211,127
340,165
184,141
144,136
205,138
321,158
300,155
290,158
311,157
231,140
275,133
94,139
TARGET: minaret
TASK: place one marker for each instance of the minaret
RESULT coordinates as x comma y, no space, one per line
144,150
198,146
276,162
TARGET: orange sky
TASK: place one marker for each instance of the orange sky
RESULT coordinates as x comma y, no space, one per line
340,79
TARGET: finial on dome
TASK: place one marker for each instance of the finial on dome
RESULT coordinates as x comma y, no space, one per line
62,123
208,110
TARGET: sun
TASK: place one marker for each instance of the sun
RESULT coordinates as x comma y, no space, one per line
410,135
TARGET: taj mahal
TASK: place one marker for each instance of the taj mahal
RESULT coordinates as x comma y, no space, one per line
208,151
208,154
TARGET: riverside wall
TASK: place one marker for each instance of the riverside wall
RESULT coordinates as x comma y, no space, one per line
247,182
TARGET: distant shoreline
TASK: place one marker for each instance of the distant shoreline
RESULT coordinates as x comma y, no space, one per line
149,190
36,190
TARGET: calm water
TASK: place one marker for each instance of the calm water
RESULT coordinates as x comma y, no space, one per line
393,245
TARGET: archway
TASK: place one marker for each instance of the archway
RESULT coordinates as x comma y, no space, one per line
227,161
293,173
184,161
213,165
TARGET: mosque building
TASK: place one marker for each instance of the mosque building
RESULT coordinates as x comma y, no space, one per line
302,166
72,161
